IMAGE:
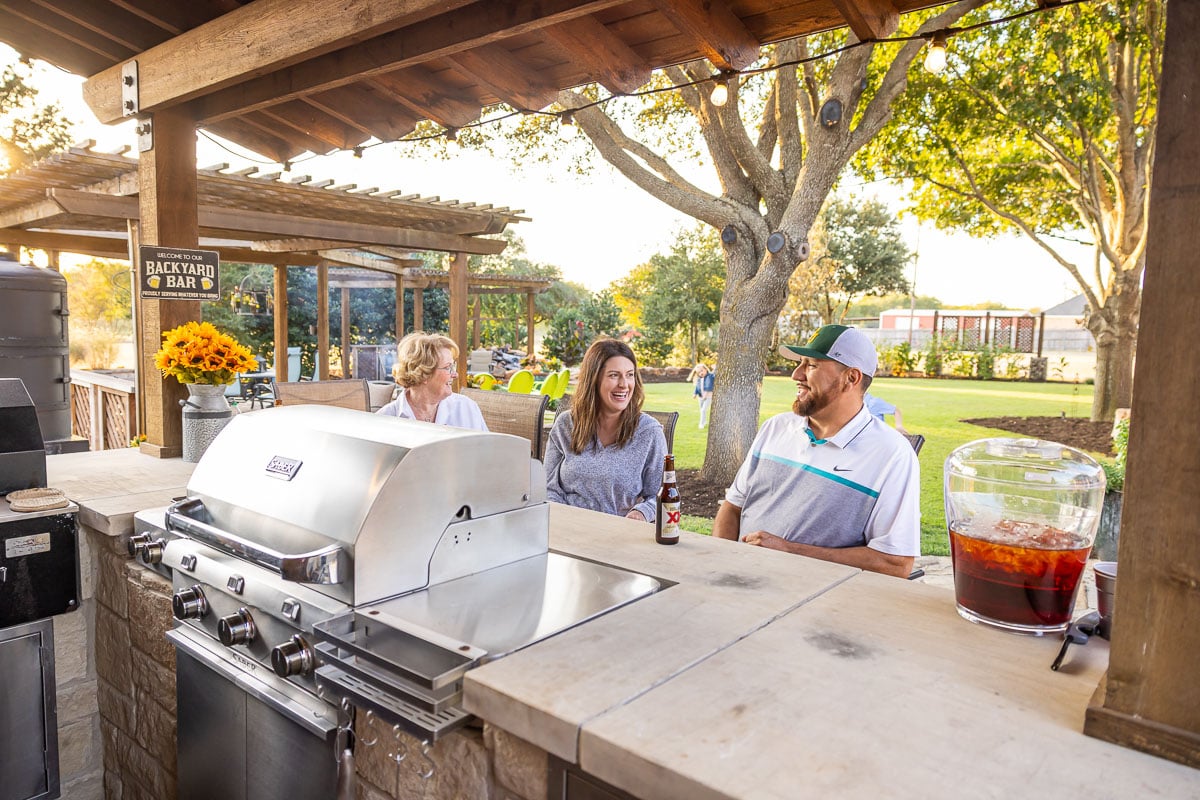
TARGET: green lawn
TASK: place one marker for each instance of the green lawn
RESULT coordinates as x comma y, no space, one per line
930,407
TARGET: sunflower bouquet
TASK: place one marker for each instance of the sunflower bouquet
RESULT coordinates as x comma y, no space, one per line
196,352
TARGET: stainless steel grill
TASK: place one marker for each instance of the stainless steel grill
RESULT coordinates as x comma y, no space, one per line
326,555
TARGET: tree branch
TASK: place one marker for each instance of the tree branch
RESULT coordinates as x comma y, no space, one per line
648,171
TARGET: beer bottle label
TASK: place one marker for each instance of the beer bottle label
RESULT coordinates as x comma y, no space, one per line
670,515
669,477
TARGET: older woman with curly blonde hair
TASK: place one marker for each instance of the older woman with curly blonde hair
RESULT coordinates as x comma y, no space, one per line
425,369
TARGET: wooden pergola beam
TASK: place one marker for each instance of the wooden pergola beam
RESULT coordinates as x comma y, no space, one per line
201,60
455,31
264,222
118,248
716,30
869,19
506,76
586,39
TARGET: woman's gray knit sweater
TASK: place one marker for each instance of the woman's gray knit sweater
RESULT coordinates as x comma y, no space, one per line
611,479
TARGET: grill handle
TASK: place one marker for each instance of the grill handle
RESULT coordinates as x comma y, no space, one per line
326,566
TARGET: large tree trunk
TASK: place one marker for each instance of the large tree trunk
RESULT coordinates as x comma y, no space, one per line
1114,327
747,324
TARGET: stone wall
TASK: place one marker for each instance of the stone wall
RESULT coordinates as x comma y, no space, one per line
474,763
116,676
135,668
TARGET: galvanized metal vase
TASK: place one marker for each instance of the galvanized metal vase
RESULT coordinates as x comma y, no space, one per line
205,413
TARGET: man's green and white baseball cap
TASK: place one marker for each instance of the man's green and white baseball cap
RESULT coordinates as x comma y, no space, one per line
841,343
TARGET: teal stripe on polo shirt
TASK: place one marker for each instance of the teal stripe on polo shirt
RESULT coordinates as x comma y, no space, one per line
787,462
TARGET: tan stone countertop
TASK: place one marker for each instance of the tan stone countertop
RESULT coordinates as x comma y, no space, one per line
760,674
110,486
766,675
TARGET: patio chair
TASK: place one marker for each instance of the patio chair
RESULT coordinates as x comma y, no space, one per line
485,382
564,381
517,414
916,440
549,385
479,361
381,393
346,394
521,382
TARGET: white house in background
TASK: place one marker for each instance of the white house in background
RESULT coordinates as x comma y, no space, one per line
1064,329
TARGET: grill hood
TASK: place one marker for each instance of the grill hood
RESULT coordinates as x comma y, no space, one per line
401,505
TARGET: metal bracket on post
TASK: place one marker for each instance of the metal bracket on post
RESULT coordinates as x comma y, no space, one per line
145,134
129,89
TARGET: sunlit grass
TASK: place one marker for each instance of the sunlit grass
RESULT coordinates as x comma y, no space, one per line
930,407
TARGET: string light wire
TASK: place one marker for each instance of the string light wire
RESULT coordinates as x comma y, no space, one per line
567,116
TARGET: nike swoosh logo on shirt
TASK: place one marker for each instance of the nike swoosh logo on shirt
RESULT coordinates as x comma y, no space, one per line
842,469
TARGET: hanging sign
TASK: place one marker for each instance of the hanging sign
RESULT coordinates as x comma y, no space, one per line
173,273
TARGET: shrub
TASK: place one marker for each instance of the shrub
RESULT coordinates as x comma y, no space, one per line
1114,471
933,358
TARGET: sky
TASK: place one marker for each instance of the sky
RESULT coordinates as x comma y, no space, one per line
597,227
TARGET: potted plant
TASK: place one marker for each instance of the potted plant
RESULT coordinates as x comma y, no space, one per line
206,361
1105,547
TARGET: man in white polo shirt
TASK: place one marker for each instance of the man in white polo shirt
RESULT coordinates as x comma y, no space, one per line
829,480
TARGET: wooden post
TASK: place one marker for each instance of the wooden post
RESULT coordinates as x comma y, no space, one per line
418,309
139,367
52,259
281,324
1042,331
399,308
1150,697
323,321
346,369
168,207
458,311
529,308
476,308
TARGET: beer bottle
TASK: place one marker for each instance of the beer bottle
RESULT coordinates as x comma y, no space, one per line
666,521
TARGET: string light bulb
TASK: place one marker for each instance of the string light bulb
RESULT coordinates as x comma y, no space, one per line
451,135
720,92
567,129
358,151
935,56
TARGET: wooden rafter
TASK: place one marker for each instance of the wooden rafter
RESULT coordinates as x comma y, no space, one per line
427,94
718,33
616,65
365,108
311,121
507,76
284,33
869,19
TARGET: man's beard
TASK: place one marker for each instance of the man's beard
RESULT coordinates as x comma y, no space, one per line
804,408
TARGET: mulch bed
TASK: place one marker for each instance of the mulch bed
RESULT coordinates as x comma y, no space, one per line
1079,432
700,498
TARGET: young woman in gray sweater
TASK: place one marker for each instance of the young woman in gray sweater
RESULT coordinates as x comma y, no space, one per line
604,453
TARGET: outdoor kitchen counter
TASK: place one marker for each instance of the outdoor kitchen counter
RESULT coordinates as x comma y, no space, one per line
111,486
766,675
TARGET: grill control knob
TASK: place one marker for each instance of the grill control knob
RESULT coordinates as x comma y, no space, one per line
293,657
136,542
189,603
237,628
151,552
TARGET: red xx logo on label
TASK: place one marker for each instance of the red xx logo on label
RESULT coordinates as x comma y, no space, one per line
673,517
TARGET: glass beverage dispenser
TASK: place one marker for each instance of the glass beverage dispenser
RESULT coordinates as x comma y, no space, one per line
1022,515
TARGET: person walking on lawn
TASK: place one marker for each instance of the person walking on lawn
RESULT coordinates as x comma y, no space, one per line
829,480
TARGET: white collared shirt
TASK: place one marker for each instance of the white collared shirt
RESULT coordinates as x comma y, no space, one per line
456,410
860,487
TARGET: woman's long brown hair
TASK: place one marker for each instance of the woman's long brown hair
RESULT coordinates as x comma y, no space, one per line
585,405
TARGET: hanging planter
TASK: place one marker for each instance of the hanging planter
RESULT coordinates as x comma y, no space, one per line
247,301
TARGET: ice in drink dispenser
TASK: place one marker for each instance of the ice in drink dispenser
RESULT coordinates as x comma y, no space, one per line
1022,516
